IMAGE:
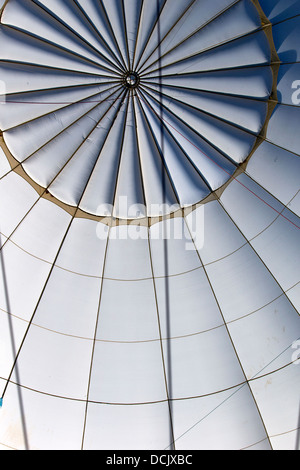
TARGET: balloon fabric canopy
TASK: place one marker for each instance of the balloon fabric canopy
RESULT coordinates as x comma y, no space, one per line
149,224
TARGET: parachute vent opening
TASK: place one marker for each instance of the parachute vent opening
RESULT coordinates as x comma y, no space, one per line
131,79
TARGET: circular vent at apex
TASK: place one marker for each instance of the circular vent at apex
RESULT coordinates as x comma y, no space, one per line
135,101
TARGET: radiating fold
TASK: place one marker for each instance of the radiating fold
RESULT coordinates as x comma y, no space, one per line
193,114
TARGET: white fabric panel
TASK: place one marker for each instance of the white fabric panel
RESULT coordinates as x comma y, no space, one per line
241,112
24,107
119,374
129,181
128,253
239,53
47,127
217,243
54,363
96,16
190,38
117,21
70,183
286,39
260,338
213,166
280,10
242,283
251,207
280,253
271,393
286,441
42,230
270,165
294,204
186,180
168,17
288,84
172,249
129,316
189,361
294,295
12,330
195,17
19,267
98,197
47,161
279,248
203,156
152,168
66,293
243,82
132,13
281,115
83,251
41,421
77,23
14,76
229,140
23,48
228,420
14,204
127,427
183,301
147,23
27,16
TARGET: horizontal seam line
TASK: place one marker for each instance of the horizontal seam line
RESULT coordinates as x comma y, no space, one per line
165,400
155,277
155,339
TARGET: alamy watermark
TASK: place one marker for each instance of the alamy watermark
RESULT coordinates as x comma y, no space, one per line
296,353
296,93
189,226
